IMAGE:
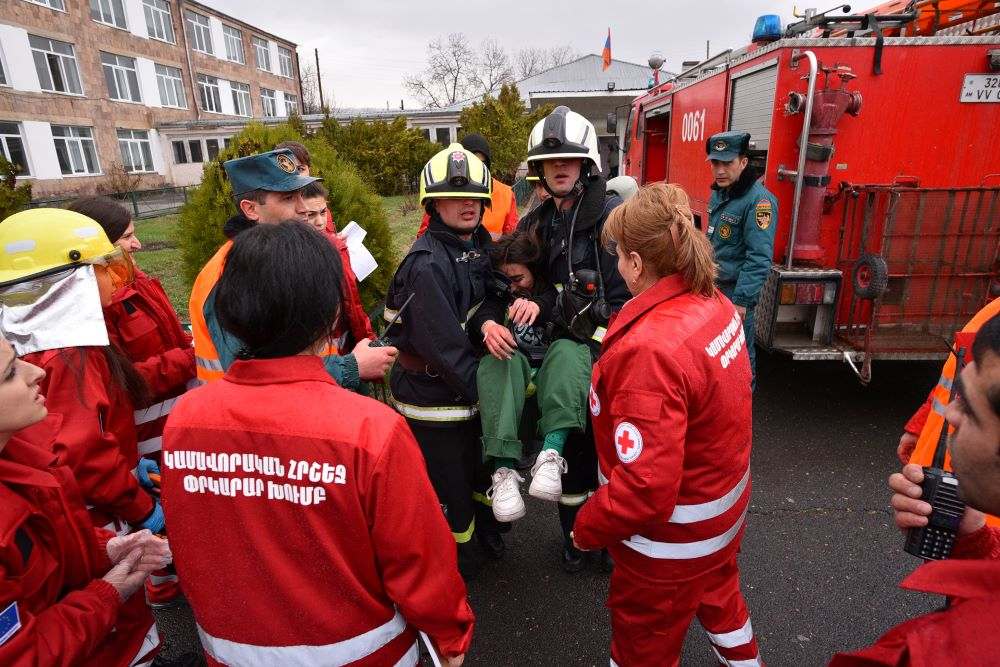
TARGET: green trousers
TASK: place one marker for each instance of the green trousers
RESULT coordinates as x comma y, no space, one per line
561,383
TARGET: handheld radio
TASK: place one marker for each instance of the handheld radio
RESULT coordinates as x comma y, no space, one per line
939,488
383,341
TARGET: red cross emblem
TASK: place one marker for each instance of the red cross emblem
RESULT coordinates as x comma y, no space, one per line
628,442
595,402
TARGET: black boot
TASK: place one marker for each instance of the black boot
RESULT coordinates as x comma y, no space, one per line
491,542
470,561
573,560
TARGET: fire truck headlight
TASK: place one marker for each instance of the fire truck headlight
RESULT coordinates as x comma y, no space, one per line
829,293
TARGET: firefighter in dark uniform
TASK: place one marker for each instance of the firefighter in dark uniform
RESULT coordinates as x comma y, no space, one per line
562,152
742,218
433,384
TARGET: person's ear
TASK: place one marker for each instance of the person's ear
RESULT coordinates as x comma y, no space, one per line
636,261
248,207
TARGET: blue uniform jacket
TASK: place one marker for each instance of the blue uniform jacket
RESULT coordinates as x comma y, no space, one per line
741,224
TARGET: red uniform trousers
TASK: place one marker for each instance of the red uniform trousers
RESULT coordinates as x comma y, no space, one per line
649,620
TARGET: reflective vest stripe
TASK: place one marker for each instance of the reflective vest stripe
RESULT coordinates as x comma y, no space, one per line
454,413
388,314
154,412
480,498
466,534
599,334
147,447
684,550
209,364
752,662
732,639
938,407
713,508
343,652
149,642
411,657
702,511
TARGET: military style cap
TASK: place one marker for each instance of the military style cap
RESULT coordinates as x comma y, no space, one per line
275,171
726,146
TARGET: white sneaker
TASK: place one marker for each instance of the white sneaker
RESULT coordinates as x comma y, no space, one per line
506,495
546,475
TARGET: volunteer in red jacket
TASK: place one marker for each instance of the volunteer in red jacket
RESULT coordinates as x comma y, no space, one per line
143,324
304,527
65,586
670,401
57,270
965,631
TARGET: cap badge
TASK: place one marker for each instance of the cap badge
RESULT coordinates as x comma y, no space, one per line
720,146
458,156
285,164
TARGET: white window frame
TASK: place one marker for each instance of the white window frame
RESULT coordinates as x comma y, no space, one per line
206,82
291,104
260,46
183,146
51,4
199,32
268,103
116,10
167,82
120,75
62,63
5,150
159,20
285,55
4,71
234,42
242,104
137,144
77,141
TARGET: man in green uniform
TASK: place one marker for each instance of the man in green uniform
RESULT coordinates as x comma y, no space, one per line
742,218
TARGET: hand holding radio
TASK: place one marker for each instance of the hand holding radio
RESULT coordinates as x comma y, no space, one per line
912,512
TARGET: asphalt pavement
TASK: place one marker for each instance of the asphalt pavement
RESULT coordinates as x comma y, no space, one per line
821,558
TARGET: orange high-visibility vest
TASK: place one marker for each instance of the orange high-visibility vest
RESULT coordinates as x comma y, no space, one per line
206,357
927,441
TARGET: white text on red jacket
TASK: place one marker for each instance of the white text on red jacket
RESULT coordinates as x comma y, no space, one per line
731,339
257,466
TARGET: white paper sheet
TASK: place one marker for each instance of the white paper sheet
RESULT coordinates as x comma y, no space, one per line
362,262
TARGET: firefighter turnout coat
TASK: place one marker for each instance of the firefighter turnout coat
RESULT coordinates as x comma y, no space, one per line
671,408
435,378
303,526
54,607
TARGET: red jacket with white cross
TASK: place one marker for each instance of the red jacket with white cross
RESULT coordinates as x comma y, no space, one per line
671,407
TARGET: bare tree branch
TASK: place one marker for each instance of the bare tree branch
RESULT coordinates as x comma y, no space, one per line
560,55
493,68
448,76
529,62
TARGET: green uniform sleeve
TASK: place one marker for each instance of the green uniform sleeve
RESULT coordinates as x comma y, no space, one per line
760,218
343,369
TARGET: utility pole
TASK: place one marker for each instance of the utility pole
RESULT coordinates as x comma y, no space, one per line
708,50
319,82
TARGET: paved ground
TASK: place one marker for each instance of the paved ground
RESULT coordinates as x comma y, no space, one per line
821,558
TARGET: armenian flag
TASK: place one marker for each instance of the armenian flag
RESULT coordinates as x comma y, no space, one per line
606,55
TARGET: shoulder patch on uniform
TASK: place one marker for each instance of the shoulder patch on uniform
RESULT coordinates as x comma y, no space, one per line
10,622
763,213
725,231
628,442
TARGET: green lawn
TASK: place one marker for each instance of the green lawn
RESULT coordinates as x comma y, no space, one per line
161,257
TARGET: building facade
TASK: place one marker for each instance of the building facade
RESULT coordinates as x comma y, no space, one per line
87,85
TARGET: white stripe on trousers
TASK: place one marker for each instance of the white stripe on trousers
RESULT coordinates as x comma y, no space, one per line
732,639
752,662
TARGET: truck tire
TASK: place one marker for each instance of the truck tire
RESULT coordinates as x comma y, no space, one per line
870,276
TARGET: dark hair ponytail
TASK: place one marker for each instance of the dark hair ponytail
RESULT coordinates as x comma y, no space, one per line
123,373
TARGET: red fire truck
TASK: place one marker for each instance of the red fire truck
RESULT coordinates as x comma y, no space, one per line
879,134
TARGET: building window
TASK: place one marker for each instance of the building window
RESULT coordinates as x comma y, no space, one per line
267,103
180,154
75,150
136,152
262,53
120,74
3,73
212,148
55,63
443,135
227,141
171,85
158,22
195,146
54,4
285,61
208,90
110,12
427,133
234,44
241,98
291,104
12,147
198,32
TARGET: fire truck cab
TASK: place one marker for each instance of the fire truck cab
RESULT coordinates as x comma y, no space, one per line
879,134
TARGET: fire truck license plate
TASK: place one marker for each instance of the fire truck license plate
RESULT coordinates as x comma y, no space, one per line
981,88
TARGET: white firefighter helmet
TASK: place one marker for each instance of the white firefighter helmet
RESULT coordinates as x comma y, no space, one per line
564,134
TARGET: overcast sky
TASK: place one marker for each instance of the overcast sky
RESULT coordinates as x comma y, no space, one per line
366,47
